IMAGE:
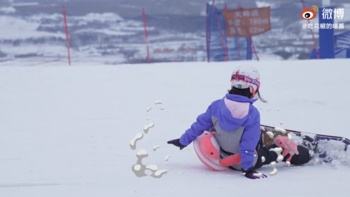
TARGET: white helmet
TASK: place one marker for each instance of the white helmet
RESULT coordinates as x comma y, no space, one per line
246,76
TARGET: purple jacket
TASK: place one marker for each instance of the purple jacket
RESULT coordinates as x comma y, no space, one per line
232,112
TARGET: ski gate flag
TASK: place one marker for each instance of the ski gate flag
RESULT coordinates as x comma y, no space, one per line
247,22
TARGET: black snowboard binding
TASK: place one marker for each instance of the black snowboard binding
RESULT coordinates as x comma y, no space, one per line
310,144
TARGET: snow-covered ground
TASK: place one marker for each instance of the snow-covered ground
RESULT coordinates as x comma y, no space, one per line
65,131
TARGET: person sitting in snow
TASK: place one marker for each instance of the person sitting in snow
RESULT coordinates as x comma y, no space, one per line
237,128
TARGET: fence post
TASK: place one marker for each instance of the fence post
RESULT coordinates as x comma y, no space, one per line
256,53
228,57
146,35
211,25
67,37
239,41
206,32
221,37
249,48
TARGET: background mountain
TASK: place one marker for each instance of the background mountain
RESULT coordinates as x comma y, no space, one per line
127,8
114,29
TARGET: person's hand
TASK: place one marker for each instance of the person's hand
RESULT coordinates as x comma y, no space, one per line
177,143
253,174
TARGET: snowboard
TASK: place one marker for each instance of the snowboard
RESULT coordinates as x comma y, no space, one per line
329,147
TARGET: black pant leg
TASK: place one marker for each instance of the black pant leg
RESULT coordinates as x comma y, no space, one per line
302,158
271,156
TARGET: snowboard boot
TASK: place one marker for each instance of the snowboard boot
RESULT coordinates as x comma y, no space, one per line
310,144
269,139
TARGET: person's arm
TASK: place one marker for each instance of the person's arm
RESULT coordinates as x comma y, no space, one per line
249,141
202,124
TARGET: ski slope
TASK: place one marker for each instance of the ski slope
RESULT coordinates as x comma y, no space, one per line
65,131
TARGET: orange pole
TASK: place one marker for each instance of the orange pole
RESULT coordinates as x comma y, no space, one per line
67,37
211,25
146,35
239,43
221,37
228,57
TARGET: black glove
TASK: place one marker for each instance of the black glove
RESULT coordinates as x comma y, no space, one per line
177,143
252,174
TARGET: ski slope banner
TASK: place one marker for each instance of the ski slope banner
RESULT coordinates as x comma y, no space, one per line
247,22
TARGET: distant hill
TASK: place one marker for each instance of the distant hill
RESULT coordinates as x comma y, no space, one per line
176,28
129,8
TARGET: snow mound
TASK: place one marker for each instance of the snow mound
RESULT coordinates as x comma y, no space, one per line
332,152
